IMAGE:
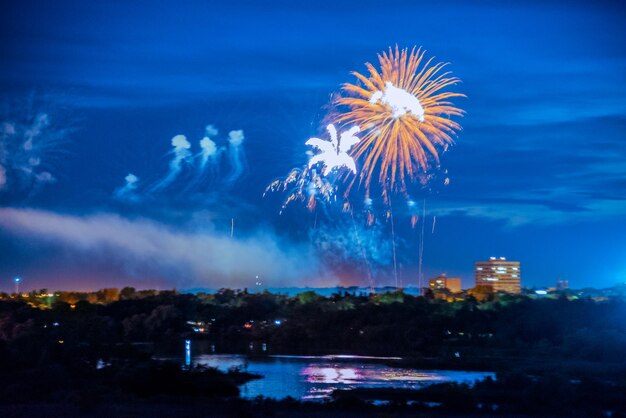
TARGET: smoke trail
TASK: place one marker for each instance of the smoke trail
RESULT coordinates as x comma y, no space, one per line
210,151
209,160
349,243
127,192
181,155
236,156
421,248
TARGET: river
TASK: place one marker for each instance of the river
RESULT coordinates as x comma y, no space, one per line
315,377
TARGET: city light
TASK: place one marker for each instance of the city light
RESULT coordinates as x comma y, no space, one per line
17,281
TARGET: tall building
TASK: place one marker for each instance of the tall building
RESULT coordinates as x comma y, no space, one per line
562,285
441,282
498,273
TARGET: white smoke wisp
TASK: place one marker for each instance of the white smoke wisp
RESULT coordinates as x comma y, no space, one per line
127,192
210,131
180,143
28,143
182,155
399,101
208,168
235,138
201,169
209,151
236,156
334,153
188,256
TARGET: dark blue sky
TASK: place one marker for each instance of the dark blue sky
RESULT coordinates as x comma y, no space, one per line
538,173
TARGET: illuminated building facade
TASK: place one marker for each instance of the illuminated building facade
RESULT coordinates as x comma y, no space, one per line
499,273
441,282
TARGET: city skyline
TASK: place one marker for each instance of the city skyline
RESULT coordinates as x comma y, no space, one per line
120,99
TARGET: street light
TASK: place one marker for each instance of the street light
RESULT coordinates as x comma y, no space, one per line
17,281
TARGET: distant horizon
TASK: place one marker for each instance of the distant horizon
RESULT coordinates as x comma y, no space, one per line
293,288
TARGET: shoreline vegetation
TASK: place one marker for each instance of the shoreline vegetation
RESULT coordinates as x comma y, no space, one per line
92,353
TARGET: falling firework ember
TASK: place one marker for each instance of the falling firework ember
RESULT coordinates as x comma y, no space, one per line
405,114
303,185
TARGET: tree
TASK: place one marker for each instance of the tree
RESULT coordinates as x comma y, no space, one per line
482,293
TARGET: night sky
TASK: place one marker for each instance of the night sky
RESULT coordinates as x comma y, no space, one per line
94,91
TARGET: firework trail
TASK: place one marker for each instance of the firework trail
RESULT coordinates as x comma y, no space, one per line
334,153
182,155
393,244
236,156
363,253
127,192
405,114
421,249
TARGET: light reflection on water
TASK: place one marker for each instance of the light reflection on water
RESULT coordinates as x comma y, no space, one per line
316,377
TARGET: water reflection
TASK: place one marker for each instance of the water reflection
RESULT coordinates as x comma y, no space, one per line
316,377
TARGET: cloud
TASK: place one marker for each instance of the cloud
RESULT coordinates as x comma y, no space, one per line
189,257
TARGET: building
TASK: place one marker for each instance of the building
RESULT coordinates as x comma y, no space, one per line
500,274
441,282
562,285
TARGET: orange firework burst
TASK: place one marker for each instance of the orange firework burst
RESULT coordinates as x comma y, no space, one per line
404,111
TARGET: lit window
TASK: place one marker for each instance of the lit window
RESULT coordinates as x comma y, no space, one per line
479,268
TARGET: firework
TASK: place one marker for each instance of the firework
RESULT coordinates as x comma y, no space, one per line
405,113
303,185
334,153
306,184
